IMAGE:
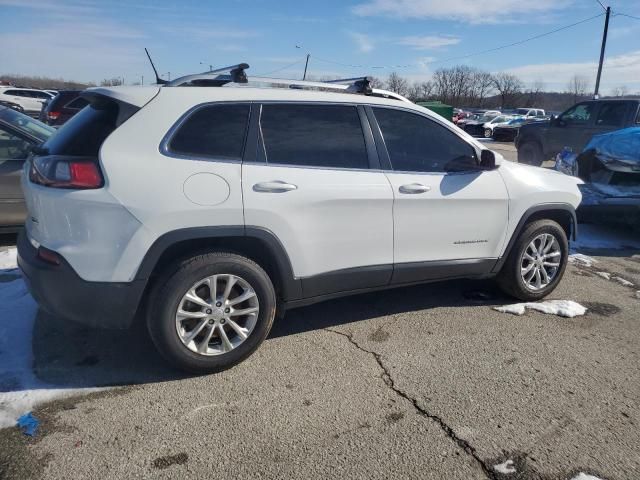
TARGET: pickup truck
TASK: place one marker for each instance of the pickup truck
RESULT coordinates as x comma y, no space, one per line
574,128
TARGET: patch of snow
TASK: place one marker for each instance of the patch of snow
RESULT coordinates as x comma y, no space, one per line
8,258
505,468
637,293
622,281
605,275
581,259
585,476
563,308
600,236
20,389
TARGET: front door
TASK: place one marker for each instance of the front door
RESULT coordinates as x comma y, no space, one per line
572,129
450,217
313,188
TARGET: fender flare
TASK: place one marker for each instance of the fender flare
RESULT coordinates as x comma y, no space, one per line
548,207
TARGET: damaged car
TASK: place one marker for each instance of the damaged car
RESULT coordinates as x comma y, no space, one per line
610,168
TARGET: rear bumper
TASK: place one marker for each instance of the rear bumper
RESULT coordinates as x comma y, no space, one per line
61,292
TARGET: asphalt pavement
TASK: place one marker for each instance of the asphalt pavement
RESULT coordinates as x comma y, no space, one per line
420,382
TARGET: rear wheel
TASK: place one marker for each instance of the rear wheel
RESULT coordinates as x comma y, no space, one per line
530,153
537,261
487,133
211,311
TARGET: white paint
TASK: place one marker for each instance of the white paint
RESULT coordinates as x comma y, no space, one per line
505,468
562,308
585,476
582,260
8,258
206,189
25,390
622,281
605,275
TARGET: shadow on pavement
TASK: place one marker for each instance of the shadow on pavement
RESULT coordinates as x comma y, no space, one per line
67,354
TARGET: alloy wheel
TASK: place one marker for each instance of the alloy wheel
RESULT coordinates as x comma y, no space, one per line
540,262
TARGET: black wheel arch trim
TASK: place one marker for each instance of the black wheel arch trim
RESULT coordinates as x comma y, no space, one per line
291,286
544,207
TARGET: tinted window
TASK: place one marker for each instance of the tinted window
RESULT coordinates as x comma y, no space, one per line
327,136
612,114
84,133
12,147
417,144
77,104
13,93
36,94
214,131
579,114
26,124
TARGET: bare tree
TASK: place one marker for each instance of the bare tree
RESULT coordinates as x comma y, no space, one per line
621,91
397,84
482,86
533,95
578,87
509,88
420,91
111,82
376,82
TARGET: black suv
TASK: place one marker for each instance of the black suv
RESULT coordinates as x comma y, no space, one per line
62,107
574,128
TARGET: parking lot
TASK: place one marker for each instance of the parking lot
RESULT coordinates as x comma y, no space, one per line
421,382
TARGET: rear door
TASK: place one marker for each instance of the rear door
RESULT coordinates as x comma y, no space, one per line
450,216
312,185
610,116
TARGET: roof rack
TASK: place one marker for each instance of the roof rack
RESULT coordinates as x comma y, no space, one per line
237,74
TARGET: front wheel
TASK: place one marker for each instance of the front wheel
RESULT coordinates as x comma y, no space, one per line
537,261
487,133
211,311
530,153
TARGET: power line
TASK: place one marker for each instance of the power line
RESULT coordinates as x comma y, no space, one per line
282,68
603,7
625,15
461,57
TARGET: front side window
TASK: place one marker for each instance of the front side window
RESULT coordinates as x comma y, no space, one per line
578,115
326,136
612,114
418,144
213,131
12,147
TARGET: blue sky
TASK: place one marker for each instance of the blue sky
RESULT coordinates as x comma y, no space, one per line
91,40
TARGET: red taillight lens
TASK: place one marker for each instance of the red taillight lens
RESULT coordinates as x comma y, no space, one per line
48,256
53,115
66,172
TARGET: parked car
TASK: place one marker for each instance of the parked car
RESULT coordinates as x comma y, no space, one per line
541,141
610,168
62,107
29,99
507,132
14,106
495,122
476,127
530,112
18,135
224,206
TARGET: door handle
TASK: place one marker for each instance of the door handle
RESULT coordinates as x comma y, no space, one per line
414,188
274,186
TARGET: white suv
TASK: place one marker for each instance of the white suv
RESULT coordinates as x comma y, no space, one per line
208,209
29,99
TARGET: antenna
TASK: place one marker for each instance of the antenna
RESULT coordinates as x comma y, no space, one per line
159,80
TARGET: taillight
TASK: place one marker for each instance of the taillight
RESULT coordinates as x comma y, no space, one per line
48,256
53,115
66,172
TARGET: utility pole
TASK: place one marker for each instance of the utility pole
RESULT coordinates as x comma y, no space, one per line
604,44
304,76
141,79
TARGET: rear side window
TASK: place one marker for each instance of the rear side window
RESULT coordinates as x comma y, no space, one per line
612,114
84,133
418,144
77,104
215,131
325,136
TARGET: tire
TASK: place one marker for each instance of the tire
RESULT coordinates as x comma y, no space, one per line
510,279
487,133
530,153
208,352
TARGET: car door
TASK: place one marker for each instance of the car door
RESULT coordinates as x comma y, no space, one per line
610,116
572,128
13,152
450,217
312,185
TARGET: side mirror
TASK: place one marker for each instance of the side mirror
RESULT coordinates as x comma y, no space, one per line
487,160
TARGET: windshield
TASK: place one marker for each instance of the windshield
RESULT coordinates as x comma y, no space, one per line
26,124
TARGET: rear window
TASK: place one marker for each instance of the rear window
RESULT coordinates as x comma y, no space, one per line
214,131
84,133
77,104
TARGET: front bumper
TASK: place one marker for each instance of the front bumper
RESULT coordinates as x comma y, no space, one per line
61,292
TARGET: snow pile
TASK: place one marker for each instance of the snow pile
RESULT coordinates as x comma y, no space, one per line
505,468
622,281
585,476
605,275
563,308
20,389
582,260
8,258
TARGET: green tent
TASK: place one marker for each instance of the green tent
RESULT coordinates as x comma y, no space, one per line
440,108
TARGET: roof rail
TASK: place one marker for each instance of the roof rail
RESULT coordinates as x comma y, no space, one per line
237,74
